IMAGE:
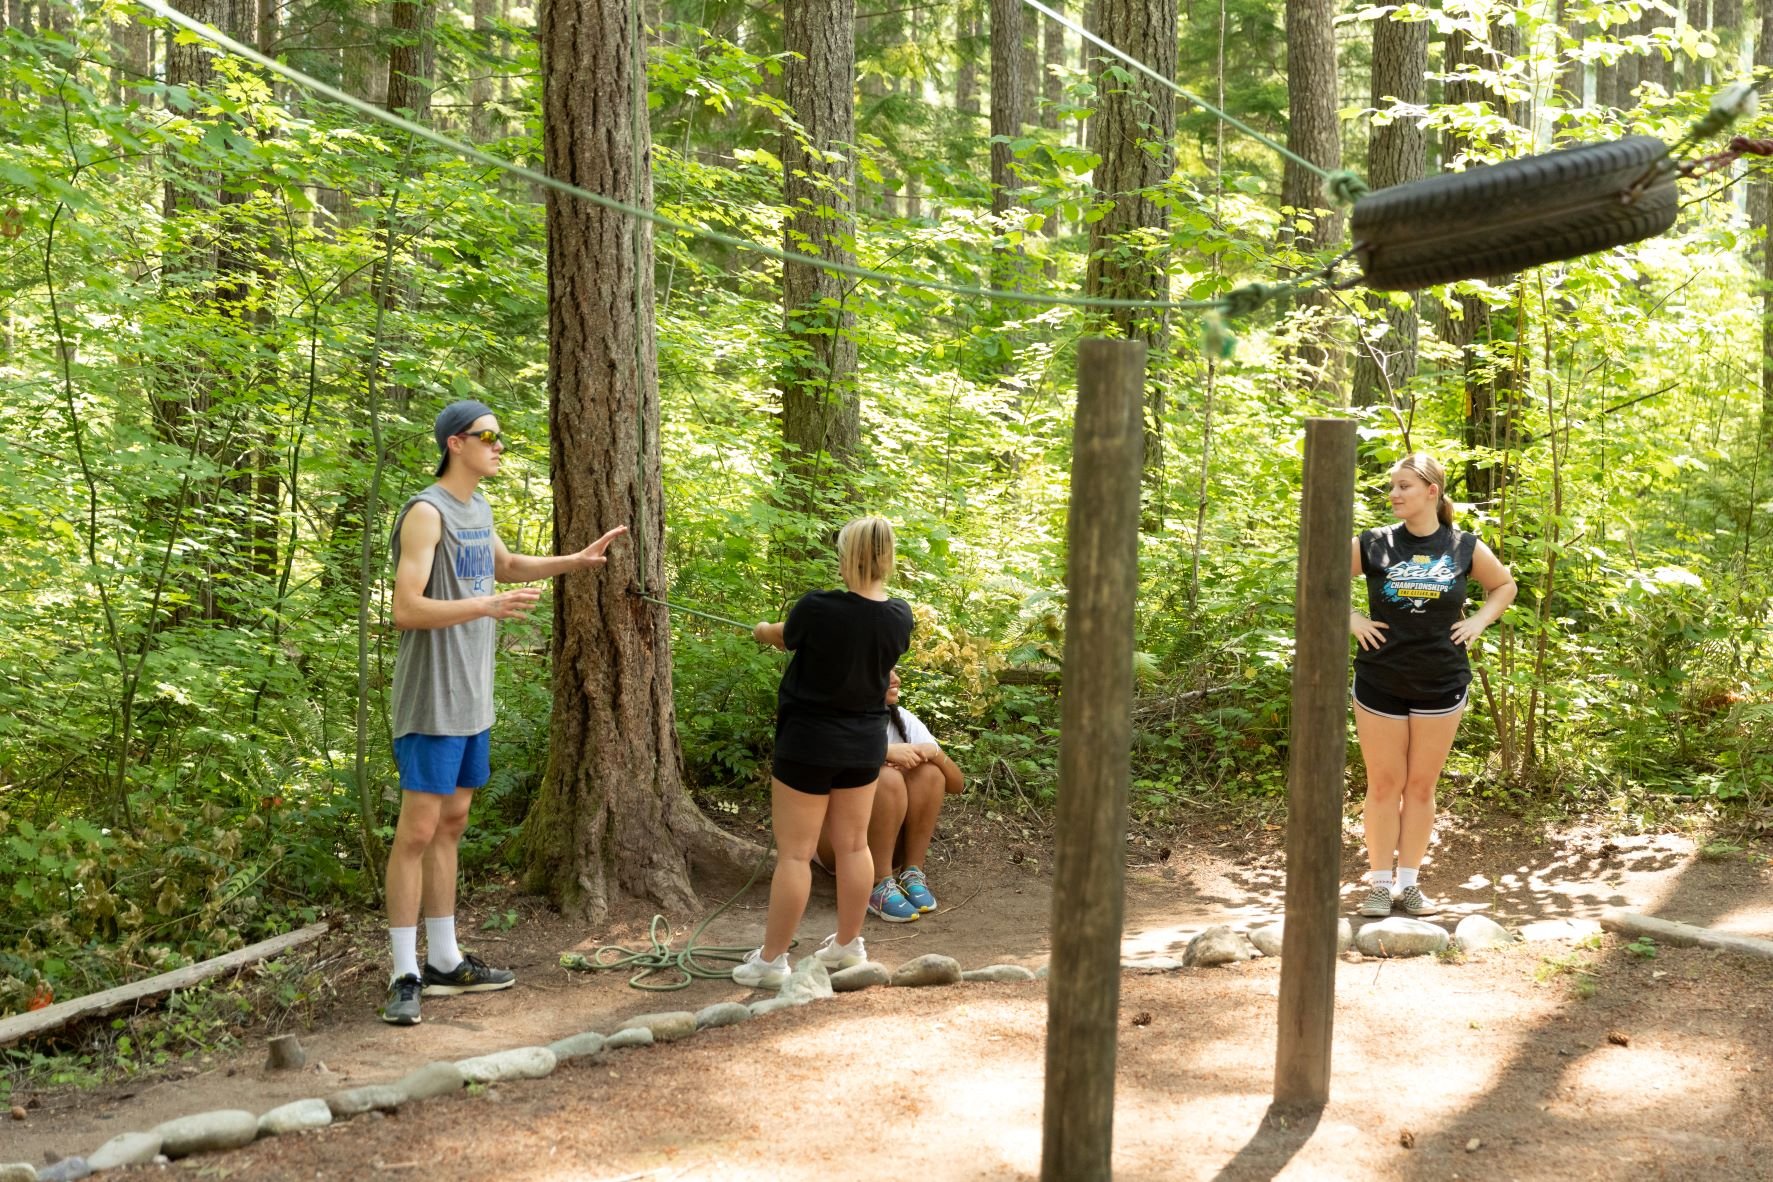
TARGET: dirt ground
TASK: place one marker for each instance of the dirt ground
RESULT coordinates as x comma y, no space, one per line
1565,1059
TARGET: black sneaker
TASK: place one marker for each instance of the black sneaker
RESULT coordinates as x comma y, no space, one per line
403,1002
473,975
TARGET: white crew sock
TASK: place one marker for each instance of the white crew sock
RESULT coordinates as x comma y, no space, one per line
1380,878
405,942
441,952
1406,877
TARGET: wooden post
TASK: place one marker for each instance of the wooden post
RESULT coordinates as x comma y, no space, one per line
1101,578
1318,756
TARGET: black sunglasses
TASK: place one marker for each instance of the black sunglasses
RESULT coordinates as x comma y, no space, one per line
487,437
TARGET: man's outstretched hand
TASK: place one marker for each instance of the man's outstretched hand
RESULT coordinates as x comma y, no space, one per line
595,555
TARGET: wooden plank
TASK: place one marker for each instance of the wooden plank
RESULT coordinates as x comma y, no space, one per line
1317,757
1095,746
1684,935
37,1022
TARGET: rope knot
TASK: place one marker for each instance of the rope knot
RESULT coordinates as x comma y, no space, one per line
1344,187
1736,101
1248,299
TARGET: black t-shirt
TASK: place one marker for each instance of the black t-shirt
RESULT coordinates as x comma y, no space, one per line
831,708
1416,586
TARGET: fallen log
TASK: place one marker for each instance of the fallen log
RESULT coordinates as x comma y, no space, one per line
1684,935
37,1022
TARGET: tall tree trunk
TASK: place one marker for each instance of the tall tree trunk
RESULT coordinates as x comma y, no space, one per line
1486,342
1606,86
1133,131
1052,94
1396,155
1008,115
365,64
411,59
1028,69
1695,72
1653,68
1731,30
209,262
821,406
482,123
612,814
1760,208
1627,83
1313,133
872,34
1572,78
966,73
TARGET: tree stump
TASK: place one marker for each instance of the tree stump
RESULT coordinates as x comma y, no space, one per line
286,1054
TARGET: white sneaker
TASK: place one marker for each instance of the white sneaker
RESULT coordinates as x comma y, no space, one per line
841,956
754,972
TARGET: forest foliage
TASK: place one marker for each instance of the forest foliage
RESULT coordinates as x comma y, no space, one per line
203,284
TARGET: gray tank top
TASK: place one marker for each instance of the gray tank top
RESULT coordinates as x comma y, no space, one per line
443,677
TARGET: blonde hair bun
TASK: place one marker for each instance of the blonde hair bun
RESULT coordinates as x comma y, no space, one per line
865,551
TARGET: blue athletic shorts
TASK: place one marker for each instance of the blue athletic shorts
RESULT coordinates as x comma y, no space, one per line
442,763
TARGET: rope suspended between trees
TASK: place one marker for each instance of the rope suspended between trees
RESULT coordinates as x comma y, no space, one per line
1342,186
1041,299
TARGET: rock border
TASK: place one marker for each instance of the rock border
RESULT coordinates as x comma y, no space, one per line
224,1129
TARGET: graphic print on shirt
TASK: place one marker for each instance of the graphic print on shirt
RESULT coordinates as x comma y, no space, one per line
1420,580
474,558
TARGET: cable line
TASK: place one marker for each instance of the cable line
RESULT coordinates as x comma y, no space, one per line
1344,186
1042,299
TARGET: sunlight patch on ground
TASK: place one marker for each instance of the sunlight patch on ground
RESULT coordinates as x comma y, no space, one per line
1640,1081
1752,919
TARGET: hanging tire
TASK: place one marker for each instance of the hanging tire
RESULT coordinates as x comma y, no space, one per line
1494,219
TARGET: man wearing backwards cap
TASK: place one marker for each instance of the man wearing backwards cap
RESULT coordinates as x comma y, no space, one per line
447,557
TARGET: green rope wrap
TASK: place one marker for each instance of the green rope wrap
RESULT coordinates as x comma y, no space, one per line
1736,101
1344,188
1248,299
1216,339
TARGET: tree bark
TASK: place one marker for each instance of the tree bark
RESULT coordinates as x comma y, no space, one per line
1486,342
1727,23
1760,208
1696,73
1133,131
1313,133
966,73
365,63
612,813
1626,85
482,123
1653,68
1052,94
1008,115
411,59
1572,78
1396,154
821,405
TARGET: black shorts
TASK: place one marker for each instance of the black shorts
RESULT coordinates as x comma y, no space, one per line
816,779
1388,705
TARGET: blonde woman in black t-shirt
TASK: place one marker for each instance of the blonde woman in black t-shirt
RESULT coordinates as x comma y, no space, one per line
831,723
1412,674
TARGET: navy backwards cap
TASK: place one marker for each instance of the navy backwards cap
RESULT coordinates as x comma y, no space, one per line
454,419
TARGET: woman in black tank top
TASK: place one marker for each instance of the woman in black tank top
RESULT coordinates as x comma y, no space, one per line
1412,673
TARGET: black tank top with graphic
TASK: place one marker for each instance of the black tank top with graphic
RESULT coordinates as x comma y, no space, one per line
1416,587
